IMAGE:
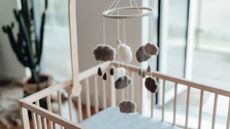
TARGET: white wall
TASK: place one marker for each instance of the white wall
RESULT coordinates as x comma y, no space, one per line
9,66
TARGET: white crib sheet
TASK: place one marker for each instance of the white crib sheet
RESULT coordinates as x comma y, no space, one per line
111,118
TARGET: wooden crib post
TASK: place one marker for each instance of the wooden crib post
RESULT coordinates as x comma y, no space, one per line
214,111
112,92
76,87
174,104
24,116
228,117
201,108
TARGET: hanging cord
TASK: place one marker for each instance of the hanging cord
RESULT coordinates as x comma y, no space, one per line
115,2
124,30
104,30
131,3
127,90
135,2
118,28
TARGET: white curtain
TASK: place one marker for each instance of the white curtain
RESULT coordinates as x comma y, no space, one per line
56,56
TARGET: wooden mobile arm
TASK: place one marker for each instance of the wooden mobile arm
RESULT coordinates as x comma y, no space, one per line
76,87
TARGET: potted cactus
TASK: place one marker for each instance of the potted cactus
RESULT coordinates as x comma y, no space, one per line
28,44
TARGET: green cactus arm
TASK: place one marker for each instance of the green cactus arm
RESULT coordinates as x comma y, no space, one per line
23,51
14,45
25,12
25,34
40,46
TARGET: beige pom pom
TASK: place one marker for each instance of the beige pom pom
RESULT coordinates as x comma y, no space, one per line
125,53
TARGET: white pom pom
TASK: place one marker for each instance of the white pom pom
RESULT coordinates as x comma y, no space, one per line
125,53
119,72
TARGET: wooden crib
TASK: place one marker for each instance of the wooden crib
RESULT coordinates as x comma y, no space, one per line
46,119
42,118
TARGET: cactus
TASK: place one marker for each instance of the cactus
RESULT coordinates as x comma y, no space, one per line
27,45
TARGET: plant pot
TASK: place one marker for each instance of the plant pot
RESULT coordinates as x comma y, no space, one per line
30,87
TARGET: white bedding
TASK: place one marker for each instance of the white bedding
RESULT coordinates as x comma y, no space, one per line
111,118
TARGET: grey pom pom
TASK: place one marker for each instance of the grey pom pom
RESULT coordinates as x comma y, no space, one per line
151,84
104,53
122,82
141,55
128,106
151,49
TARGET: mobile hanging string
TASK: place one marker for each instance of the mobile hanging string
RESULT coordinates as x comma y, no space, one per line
104,30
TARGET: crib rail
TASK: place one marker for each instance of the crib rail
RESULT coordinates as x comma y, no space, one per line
97,95
189,85
44,119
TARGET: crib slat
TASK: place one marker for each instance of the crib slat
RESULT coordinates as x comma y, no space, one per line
96,107
187,107
112,92
127,93
79,107
88,111
128,89
44,125
174,104
163,101
25,118
214,111
201,108
228,119
59,99
152,104
122,94
141,95
70,105
38,117
48,100
132,87
103,94
34,121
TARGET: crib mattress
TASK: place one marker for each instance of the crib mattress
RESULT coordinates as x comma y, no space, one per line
112,118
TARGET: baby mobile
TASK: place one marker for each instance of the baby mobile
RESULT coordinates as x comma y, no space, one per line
105,52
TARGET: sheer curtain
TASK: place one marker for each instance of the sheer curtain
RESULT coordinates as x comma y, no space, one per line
56,56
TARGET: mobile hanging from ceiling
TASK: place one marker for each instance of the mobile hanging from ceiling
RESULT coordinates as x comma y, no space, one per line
105,52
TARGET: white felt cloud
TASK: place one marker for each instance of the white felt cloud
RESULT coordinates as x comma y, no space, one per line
119,72
125,53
